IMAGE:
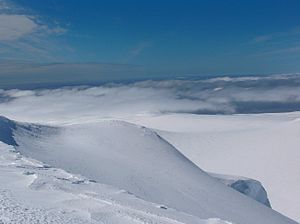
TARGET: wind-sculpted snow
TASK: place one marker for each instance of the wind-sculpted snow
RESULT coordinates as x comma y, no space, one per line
264,147
6,131
139,161
34,193
252,188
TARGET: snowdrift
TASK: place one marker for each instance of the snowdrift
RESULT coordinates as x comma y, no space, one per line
138,160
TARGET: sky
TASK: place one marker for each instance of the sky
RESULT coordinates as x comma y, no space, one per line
107,40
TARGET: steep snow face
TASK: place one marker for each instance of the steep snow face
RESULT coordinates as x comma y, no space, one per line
138,160
6,131
264,147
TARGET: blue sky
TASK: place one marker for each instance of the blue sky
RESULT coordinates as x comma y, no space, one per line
157,37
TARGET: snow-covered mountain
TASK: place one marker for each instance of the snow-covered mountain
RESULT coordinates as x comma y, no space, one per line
139,161
264,147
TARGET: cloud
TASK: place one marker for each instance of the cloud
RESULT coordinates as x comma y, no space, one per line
24,34
137,50
140,47
261,39
290,50
281,44
225,95
276,36
13,27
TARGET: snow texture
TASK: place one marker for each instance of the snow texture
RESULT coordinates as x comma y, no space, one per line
129,157
264,147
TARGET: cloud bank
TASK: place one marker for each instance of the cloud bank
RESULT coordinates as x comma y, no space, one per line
225,95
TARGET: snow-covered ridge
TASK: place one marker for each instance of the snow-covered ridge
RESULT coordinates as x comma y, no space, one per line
264,147
249,187
138,160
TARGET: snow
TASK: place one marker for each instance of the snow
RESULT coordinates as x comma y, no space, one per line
85,145
73,199
264,147
122,156
252,188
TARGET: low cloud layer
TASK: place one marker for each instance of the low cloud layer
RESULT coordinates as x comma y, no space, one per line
223,95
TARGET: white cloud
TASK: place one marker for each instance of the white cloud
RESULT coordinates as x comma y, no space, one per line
282,93
263,38
24,35
276,36
137,50
4,5
140,47
280,43
13,27
290,50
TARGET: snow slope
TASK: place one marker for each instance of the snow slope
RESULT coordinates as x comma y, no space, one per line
138,160
264,147
33,193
